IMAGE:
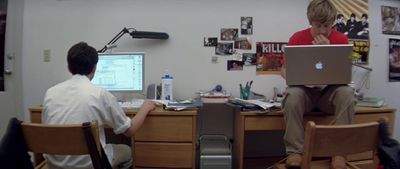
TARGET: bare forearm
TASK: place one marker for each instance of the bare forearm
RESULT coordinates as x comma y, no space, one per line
136,123
139,118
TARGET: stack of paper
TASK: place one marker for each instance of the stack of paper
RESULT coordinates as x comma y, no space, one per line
371,102
215,97
186,104
261,104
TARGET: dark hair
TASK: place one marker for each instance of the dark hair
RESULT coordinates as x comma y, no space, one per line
364,16
352,15
339,16
82,58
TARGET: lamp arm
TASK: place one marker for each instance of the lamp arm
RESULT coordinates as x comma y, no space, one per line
113,40
361,66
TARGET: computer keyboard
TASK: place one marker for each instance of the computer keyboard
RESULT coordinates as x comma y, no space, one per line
135,103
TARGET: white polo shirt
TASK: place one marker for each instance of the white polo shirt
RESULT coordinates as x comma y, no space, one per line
76,101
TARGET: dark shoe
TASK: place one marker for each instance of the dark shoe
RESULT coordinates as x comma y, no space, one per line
338,162
293,161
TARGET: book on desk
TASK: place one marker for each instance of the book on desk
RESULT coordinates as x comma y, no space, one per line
249,105
179,105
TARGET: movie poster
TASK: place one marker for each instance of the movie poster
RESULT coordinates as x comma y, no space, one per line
352,20
394,60
269,56
390,20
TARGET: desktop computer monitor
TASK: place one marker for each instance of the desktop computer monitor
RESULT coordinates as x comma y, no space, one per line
120,72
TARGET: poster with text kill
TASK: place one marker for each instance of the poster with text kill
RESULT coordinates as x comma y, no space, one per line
394,60
269,57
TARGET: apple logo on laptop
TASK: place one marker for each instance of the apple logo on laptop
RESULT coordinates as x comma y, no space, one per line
319,65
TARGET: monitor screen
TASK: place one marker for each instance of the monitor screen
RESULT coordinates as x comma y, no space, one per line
120,72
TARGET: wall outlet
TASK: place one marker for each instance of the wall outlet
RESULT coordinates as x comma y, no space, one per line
46,55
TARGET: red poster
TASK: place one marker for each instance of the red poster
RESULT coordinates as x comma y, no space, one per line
269,56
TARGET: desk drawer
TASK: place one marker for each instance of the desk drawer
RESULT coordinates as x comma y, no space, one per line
36,116
168,155
166,128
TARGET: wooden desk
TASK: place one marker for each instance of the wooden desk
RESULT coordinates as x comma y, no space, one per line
254,121
166,139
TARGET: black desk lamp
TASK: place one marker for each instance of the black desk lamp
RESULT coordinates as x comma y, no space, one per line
136,35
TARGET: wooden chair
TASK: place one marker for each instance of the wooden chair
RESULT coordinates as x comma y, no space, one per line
65,140
333,140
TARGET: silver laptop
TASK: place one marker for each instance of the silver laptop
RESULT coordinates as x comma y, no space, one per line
318,64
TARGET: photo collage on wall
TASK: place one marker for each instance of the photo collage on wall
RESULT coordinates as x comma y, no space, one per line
352,20
391,26
232,44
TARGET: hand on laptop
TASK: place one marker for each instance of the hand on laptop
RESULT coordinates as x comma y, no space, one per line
321,40
283,71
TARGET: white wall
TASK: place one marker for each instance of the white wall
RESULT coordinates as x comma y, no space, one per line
56,25
379,60
11,98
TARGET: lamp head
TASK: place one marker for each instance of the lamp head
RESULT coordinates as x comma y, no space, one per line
148,35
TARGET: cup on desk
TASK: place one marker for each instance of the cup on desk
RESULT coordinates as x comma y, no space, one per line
244,93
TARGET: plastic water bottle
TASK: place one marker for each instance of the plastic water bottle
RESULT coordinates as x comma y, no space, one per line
166,87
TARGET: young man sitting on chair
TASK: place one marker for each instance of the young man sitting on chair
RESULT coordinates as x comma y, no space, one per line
77,100
337,99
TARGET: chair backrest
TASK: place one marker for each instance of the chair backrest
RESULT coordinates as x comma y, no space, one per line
332,140
64,140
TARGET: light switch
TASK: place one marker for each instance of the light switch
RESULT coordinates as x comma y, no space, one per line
46,55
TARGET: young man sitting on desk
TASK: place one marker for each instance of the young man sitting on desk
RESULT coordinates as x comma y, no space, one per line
337,99
77,100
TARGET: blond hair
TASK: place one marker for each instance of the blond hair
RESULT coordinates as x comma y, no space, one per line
321,11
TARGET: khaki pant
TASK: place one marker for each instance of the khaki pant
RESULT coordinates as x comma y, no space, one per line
337,99
122,158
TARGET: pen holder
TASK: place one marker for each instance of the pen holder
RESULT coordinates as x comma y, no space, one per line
244,93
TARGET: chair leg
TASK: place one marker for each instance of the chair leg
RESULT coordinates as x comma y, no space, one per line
42,165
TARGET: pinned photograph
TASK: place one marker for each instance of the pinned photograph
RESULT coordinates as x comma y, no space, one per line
246,25
242,43
237,56
210,41
224,49
390,20
249,59
234,65
229,33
